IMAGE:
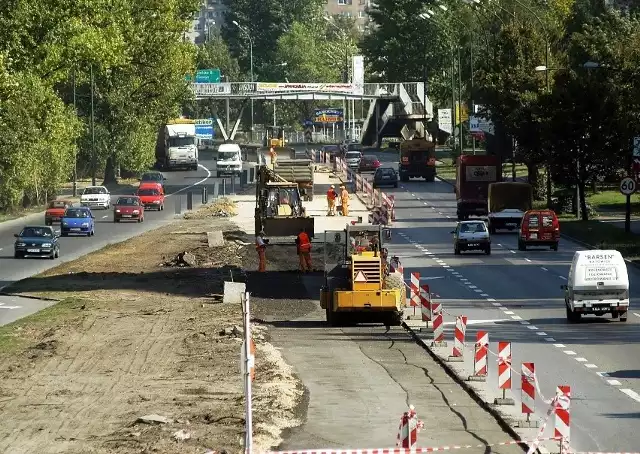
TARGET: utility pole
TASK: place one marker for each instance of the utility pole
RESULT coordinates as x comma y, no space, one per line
460,101
93,131
473,106
75,159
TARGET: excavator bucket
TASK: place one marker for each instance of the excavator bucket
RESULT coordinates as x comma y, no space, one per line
288,226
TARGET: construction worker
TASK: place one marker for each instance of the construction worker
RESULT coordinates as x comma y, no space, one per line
261,247
344,199
332,195
273,155
304,250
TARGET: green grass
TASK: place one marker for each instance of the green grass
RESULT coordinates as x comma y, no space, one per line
603,235
20,334
612,200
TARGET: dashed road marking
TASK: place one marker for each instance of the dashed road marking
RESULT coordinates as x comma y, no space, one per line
559,345
509,312
527,260
541,333
581,360
550,339
590,366
563,278
513,252
524,322
472,286
496,304
531,327
636,314
484,294
614,382
631,393
478,290
544,269
490,299
569,352
516,317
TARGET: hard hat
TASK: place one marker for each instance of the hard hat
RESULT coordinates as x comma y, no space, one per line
332,187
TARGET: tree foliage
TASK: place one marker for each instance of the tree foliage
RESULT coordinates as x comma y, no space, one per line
48,53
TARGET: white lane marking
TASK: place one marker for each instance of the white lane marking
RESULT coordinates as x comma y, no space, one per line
636,314
509,312
448,217
455,273
590,366
550,339
10,307
602,374
496,304
516,317
484,294
541,333
499,244
527,260
569,352
105,217
464,280
614,382
532,327
563,278
544,269
490,299
472,286
631,393
194,184
513,252
424,203
581,360
413,195
524,322
478,290
559,345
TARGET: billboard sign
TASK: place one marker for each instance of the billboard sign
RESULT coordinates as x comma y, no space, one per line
444,120
204,128
211,89
328,116
358,74
275,87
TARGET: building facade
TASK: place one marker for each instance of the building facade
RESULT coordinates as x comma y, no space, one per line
207,21
356,9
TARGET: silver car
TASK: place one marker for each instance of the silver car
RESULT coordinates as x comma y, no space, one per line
353,159
471,236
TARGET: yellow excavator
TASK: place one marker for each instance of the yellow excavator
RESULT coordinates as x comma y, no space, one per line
358,286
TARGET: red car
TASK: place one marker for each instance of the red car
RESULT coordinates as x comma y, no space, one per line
129,208
151,196
55,211
368,164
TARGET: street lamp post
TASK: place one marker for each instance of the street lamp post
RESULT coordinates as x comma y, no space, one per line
345,75
246,32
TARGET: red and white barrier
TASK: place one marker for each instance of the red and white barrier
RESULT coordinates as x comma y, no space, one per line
438,324
458,336
562,415
504,366
415,289
410,425
425,303
480,366
396,268
528,387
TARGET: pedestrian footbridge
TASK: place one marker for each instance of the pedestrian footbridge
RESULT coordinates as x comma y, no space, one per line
395,109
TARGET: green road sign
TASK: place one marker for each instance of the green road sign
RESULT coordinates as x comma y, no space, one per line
208,76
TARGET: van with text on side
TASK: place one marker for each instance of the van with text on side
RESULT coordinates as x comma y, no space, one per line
539,228
598,284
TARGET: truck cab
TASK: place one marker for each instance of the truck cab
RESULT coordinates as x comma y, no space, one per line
417,160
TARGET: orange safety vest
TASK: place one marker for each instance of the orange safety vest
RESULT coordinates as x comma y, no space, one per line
331,194
304,244
344,196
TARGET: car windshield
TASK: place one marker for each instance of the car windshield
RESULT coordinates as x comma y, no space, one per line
473,227
181,141
227,155
127,201
151,177
95,190
353,154
369,158
76,213
148,192
57,204
354,147
34,232
386,171
331,148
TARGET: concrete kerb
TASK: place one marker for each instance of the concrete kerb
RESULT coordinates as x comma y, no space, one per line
30,297
505,422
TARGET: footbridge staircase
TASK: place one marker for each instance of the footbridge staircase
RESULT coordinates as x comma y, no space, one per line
398,110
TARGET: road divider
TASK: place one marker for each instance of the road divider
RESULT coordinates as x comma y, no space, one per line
409,428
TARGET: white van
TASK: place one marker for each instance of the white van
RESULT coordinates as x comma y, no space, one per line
598,283
229,160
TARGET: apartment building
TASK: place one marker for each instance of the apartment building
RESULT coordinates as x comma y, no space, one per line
207,21
357,9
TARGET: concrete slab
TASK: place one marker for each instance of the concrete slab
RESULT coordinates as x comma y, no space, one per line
233,292
215,239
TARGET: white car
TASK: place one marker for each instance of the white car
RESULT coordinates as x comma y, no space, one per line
96,197
353,159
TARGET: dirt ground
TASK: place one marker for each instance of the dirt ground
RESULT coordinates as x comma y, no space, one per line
140,333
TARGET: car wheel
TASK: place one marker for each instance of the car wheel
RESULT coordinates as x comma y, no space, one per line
115,220
554,247
522,246
395,185
488,250
17,255
64,234
456,250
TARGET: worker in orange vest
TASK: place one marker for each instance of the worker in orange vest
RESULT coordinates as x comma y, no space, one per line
273,155
344,199
261,247
332,195
304,250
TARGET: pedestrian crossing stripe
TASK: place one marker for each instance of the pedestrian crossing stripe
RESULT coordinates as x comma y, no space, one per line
360,277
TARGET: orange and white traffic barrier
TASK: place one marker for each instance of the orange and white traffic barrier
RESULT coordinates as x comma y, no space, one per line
528,387
425,302
480,366
458,336
562,406
415,289
438,325
504,366
410,425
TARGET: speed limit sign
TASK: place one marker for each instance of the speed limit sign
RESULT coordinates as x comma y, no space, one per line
628,186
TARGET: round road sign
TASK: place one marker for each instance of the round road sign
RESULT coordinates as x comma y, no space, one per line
628,186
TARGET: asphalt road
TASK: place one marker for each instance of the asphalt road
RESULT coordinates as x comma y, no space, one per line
516,297
177,185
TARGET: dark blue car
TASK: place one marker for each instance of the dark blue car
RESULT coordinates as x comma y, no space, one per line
78,220
37,241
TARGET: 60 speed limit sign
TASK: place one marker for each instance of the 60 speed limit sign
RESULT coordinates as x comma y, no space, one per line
628,186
